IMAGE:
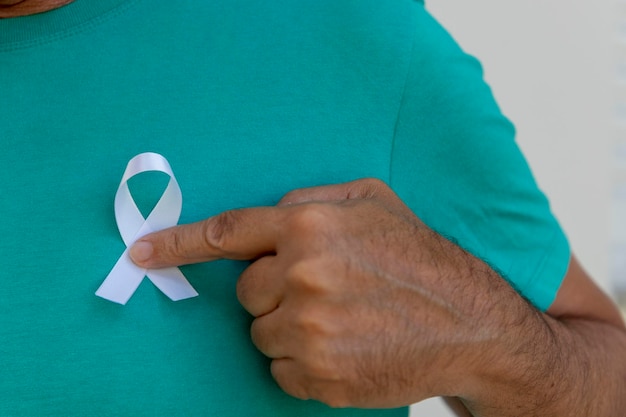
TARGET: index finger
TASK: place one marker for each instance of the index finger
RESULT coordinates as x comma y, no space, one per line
236,234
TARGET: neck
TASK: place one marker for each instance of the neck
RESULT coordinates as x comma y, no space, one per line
15,8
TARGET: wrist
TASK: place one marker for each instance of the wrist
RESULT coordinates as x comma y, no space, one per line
538,366
520,369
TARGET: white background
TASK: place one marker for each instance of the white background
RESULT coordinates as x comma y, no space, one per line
551,64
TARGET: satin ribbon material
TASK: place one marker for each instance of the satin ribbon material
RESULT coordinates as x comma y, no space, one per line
125,276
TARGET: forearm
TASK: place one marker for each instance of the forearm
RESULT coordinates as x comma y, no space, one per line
350,324
550,367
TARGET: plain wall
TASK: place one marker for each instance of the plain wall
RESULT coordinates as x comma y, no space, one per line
551,66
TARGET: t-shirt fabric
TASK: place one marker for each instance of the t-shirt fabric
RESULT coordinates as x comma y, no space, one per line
247,100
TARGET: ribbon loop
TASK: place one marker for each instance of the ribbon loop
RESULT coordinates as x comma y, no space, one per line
125,276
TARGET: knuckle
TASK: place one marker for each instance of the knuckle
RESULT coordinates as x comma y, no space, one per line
299,382
370,187
308,276
373,183
328,387
293,196
257,335
312,219
288,382
322,370
219,229
316,327
243,290
170,247
174,246
334,399
256,290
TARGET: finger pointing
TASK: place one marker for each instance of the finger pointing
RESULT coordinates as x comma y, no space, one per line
237,234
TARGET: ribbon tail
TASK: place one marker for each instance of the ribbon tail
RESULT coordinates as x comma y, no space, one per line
122,281
172,283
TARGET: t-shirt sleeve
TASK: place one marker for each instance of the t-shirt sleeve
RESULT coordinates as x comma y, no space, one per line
456,164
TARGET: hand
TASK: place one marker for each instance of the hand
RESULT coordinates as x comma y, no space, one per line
357,302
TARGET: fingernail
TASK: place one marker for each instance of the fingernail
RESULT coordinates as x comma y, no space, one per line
141,251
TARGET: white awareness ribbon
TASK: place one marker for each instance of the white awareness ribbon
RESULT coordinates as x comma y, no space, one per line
125,276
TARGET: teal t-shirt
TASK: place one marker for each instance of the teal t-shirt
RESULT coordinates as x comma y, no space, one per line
247,100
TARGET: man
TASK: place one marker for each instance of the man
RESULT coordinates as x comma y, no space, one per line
357,299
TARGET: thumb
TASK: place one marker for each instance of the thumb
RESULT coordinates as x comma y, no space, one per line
359,189
237,234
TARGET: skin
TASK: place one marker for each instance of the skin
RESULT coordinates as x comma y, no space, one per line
425,319
360,304
16,8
